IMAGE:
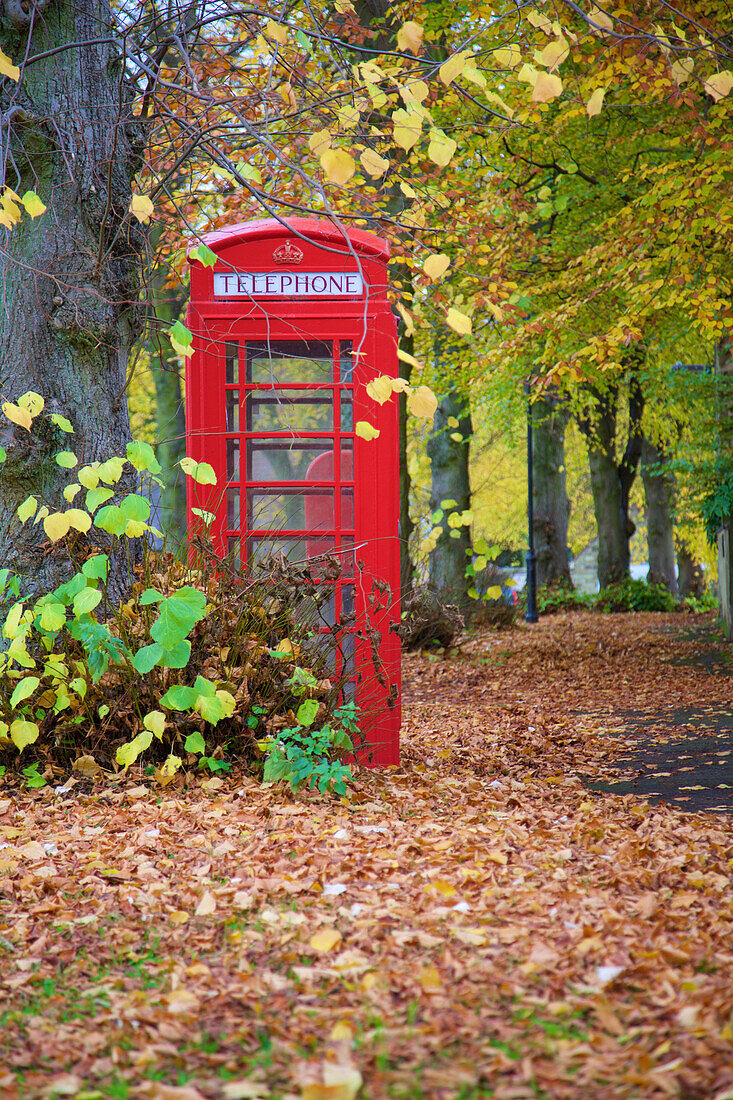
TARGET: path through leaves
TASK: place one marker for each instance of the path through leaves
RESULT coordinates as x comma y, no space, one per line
474,924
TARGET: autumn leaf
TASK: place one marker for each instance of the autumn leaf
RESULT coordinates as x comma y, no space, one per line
594,104
407,127
719,85
436,266
338,165
430,980
422,402
17,415
207,905
373,163
380,389
56,525
410,36
407,319
508,57
441,148
459,322
32,203
595,15
325,940
547,86
141,207
276,32
451,69
554,53
365,430
7,68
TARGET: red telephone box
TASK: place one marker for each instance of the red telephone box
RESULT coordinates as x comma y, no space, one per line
289,326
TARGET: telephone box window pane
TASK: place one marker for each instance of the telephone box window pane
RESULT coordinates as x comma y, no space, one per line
295,549
347,412
346,361
347,602
232,399
270,411
281,510
347,557
232,460
348,665
347,460
283,460
290,361
231,359
347,509
233,509
234,553
318,608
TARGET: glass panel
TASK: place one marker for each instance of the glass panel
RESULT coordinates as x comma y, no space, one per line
346,361
233,509
232,399
347,412
302,510
346,557
294,361
347,509
231,359
270,411
296,549
234,553
347,600
318,608
348,666
347,460
232,460
283,460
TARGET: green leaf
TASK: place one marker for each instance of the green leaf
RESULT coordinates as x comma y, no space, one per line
25,687
135,507
156,654
3,454
95,497
179,697
110,519
204,687
201,472
23,733
67,459
449,504
178,615
211,710
181,339
27,509
194,742
306,712
205,255
62,423
150,595
96,568
53,617
128,753
142,456
86,601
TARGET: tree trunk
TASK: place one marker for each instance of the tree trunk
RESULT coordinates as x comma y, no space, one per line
450,481
659,494
690,576
550,499
69,278
611,480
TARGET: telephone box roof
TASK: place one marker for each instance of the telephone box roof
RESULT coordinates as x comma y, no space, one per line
317,231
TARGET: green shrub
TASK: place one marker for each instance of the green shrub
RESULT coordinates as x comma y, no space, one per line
558,597
635,595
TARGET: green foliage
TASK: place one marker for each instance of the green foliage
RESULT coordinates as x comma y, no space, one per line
635,595
716,506
305,757
559,598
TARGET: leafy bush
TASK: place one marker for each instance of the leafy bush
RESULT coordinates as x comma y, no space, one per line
635,595
556,597
199,661
304,757
428,621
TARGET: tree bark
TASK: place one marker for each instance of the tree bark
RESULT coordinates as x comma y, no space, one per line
611,480
450,481
550,498
659,495
690,576
171,427
69,278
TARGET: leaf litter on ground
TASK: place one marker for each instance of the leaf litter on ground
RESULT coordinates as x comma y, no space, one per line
498,930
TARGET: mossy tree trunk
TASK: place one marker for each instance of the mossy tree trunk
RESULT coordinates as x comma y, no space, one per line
551,507
68,278
450,481
170,423
659,495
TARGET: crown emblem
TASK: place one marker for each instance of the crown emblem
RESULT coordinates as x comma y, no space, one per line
287,253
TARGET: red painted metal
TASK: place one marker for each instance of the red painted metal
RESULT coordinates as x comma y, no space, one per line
274,388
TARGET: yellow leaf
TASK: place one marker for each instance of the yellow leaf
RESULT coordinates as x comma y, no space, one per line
405,357
508,56
719,85
444,888
207,905
32,204
475,76
547,86
407,319
349,117
493,592
79,519
338,165
325,940
528,74
154,721
595,15
341,1032
436,266
430,980
27,509
343,7
373,163
682,69
496,310
410,36
141,207
365,430
422,402
32,401
7,68
441,148
9,201
594,104
379,389
276,32
23,733
554,53
17,415
540,21
178,916
459,322
492,97
88,477
338,1083
407,128
56,525
495,854
453,67
183,1001
401,385
319,142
